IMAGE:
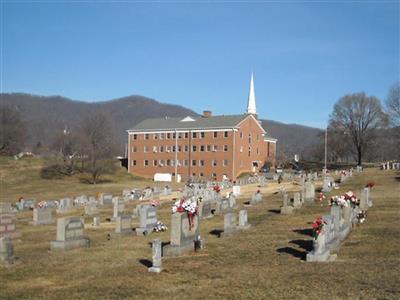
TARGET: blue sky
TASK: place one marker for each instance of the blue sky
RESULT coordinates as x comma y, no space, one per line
305,55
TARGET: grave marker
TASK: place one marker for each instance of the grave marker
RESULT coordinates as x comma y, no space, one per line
70,234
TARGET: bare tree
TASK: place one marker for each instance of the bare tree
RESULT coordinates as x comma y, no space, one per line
393,104
97,145
68,148
12,130
359,116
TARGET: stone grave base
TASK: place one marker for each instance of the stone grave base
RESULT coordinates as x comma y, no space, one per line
287,210
67,245
155,270
320,257
140,231
245,227
41,223
173,251
228,233
333,245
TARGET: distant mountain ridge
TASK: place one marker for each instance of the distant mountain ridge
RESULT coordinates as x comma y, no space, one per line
46,115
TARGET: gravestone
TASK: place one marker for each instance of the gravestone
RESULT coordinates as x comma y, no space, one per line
42,216
106,199
222,206
5,207
296,200
96,221
365,201
205,209
167,191
123,226
310,191
236,190
232,201
320,252
243,222
148,219
184,232
327,184
256,198
286,208
6,250
7,225
230,225
64,206
118,208
157,259
70,234
332,239
91,208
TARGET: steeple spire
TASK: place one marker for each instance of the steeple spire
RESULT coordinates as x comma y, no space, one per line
251,104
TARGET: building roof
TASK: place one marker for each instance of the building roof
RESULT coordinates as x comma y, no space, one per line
192,122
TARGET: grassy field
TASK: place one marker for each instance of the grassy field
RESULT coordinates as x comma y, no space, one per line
264,262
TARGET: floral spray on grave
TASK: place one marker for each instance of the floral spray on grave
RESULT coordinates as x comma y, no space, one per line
186,205
317,226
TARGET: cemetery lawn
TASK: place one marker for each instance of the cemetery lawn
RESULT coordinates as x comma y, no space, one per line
264,262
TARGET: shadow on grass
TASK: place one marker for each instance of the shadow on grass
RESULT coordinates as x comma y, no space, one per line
304,231
146,262
89,181
275,211
216,232
162,244
293,252
397,178
305,244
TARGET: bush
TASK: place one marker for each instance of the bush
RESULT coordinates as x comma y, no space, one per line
52,172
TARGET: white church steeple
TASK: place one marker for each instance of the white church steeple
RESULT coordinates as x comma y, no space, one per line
251,104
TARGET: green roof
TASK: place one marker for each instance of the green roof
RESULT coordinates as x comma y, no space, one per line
199,122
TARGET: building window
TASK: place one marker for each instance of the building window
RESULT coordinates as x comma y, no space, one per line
201,163
168,162
147,136
249,151
174,135
162,135
173,149
145,149
133,163
134,137
186,135
225,134
180,134
194,174
154,149
208,148
225,162
179,148
215,134
194,148
186,148
185,163
168,136
161,162
225,148
134,149
194,135
193,163
155,162
214,176
146,162
214,163
155,136
172,163
167,149
161,148
215,148
241,135
202,148
202,135
201,174
249,138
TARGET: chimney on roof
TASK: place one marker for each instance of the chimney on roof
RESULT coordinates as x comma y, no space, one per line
207,113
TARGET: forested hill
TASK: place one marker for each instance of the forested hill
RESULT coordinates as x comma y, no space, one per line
45,116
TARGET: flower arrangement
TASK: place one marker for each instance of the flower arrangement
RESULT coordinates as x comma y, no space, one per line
154,203
217,188
317,227
186,205
338,200
370,184
352,198
42,204
160,227
321,197
361,216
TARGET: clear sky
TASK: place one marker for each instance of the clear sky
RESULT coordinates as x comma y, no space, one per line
305,54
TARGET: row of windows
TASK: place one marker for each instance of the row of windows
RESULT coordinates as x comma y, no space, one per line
185,135
185,148
184,163
181,135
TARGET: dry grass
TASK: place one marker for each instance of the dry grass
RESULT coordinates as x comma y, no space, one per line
262,263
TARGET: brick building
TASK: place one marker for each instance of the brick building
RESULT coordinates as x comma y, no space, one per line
204,147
